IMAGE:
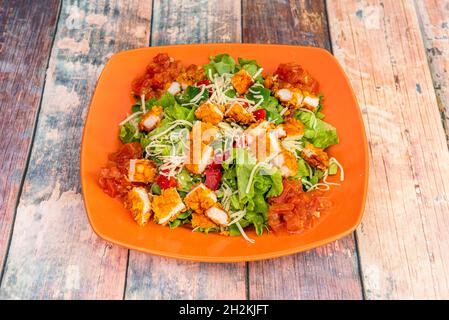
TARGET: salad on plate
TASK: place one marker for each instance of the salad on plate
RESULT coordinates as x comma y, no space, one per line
224,147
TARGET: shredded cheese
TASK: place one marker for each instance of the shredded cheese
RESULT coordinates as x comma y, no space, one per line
342,171
283,111
257,73
143,107
199,95
130,117
237,216
243,233
174,125
313,116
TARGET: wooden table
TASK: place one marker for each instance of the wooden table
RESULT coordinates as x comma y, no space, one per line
396,54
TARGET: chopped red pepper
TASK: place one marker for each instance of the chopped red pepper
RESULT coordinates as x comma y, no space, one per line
166,182
206,83
260,114
213,178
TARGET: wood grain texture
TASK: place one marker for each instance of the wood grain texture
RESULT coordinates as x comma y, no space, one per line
330,272
301,22
152,277
403,238
54,252
433,16
196,21
26,35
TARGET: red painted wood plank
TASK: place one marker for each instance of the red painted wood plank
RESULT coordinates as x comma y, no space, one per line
330,272
152,277
54,253
26,35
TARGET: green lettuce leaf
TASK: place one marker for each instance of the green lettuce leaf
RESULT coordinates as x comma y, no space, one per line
267,182
191,92
128,133
177,112
251,67
322,135
221,63
185,180
270,104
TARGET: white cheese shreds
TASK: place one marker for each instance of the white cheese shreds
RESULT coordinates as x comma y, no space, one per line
130,117
199,95
237,216
313,116
257,73
342,171
243,233
174,125
283,111
143,107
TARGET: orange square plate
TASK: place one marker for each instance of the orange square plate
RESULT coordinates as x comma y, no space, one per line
112,101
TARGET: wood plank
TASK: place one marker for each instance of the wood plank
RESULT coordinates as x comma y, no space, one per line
54,252
195,22
403,239
433,17
26,35
330,272
151,277
300,22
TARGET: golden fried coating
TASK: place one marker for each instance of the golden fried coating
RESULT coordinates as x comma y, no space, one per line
141,170
241,81
200,198
238,113
151,118
138,203
167,206
316,157
210,113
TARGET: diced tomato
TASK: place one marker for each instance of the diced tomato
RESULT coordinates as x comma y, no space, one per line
295,210
213,178
166,182
260,114
206,83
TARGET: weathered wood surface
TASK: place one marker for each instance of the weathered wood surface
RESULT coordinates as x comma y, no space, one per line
301,22
152,277
330,272
54,253
382,45
403,239
26,35
190,21
433,16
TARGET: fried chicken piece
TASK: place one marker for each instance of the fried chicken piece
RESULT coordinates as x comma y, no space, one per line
138,203
316,157
141,170
239,114
241,81
151,118
210,113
